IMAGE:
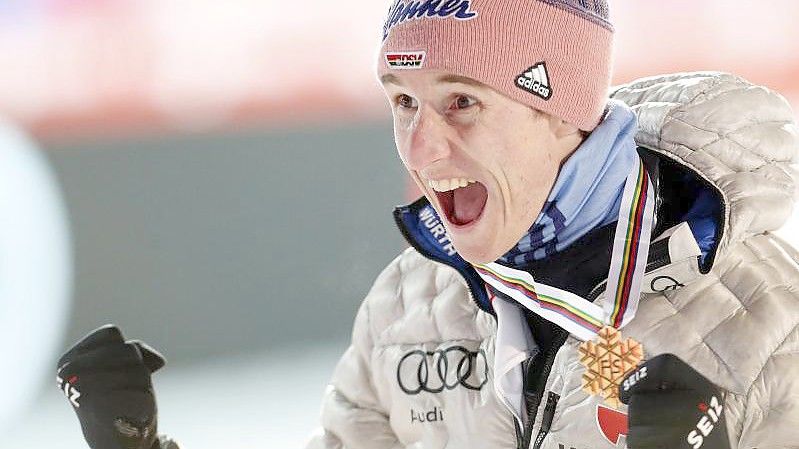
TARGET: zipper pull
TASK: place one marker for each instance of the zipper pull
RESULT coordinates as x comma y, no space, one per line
546,421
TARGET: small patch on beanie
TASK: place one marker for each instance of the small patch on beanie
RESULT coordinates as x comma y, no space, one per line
405,60
536,81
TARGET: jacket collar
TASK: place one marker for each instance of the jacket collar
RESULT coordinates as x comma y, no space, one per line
423,229
673,261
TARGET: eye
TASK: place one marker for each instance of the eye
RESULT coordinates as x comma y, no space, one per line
405,101
463,102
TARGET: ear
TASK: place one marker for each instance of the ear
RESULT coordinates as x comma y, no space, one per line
568,137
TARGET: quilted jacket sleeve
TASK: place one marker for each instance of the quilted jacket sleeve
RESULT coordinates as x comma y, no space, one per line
771,418
352,415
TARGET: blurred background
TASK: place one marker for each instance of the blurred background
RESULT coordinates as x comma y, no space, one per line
217,178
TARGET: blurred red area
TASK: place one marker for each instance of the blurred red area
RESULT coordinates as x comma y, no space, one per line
120,67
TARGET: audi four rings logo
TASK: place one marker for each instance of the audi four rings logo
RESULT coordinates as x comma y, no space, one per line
443,369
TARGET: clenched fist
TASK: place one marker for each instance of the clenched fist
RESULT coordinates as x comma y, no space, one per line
107,382
672,406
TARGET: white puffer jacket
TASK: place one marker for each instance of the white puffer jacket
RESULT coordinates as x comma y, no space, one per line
737,324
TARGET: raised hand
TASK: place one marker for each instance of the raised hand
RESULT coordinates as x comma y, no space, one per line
107,381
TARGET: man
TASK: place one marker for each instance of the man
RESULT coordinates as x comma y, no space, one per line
552,220
456,344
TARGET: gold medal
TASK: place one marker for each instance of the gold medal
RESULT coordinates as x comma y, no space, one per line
608,360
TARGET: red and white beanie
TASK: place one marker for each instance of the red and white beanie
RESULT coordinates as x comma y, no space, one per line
553,55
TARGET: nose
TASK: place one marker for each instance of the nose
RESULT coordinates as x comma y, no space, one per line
427,141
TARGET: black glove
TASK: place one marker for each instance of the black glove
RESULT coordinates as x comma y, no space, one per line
107,381
672,406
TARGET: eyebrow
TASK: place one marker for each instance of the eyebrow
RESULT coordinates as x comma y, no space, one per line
460,80
392,79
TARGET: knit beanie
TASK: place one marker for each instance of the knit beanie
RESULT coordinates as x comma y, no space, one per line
553,55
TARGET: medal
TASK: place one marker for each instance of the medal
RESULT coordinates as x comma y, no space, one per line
607,361
606,356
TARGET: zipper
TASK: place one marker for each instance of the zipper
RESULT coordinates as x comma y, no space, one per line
533,400
531,404
546,422
519,434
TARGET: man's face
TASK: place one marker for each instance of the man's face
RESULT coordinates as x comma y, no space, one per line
485,162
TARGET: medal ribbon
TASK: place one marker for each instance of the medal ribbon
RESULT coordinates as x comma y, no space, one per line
628,261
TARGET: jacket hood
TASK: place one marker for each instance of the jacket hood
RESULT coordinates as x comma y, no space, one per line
740,138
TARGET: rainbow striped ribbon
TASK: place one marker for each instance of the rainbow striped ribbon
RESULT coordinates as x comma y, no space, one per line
628,261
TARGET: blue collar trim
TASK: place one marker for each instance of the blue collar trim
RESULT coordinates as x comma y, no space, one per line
424,230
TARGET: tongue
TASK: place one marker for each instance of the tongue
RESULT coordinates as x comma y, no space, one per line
468,203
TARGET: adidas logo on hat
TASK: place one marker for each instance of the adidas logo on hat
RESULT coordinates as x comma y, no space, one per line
536,81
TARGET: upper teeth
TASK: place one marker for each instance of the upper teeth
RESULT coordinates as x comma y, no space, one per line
445,185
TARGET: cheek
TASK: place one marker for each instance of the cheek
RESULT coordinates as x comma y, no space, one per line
531,174
400,139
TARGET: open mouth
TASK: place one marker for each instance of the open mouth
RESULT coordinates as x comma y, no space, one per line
463,205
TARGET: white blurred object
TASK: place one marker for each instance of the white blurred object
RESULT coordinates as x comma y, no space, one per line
35,270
